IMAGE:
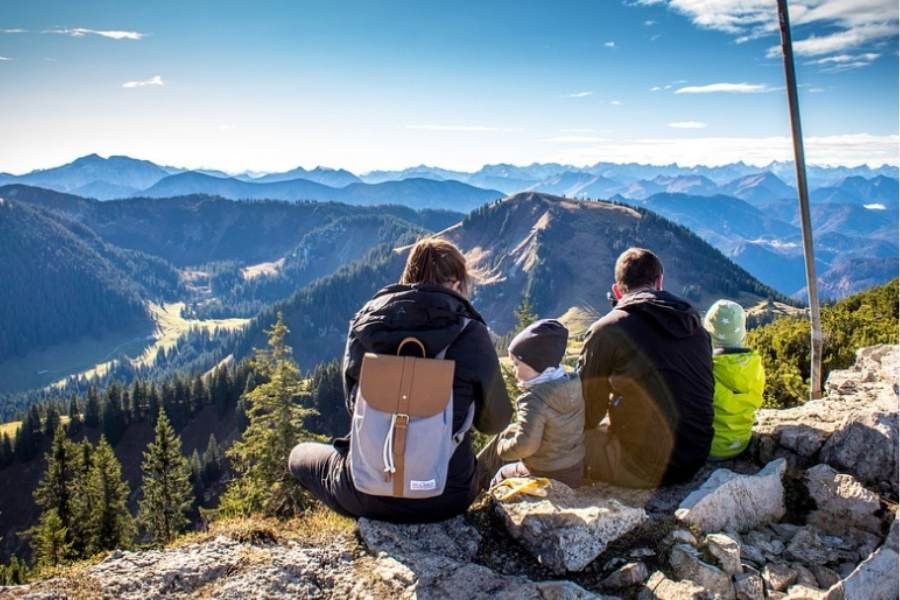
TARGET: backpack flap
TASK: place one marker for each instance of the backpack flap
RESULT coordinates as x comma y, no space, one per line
385,380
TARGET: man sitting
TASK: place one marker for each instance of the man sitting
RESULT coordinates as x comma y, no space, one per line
647,366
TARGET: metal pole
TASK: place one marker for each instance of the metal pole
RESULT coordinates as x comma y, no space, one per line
787,49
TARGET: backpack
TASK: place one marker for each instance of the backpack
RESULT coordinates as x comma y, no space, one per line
402,434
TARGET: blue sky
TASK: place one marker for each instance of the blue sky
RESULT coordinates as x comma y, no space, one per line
362,85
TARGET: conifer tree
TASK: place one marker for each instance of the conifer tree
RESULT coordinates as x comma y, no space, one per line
92,408
54,491
154,403
197,479
49,540
110,525
26,445
212,460
112,420
524,313
275,425
167,491
199,395
74,413
51,420
79,526
14,573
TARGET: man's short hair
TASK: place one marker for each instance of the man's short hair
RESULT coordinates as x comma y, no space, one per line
637,268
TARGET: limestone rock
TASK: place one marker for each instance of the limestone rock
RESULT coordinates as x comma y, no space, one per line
854,428
730,501
726,550
803,592
841,501
749,586
660,587
686,564
682,536
876,577
825,577
453,538
779,576
808,547
567,530
626,576
805,577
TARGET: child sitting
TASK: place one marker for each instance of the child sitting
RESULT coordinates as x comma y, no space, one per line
740,379
547,438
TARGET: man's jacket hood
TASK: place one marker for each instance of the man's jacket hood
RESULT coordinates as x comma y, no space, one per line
671,315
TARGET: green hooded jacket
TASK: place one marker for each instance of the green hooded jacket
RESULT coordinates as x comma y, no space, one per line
740,380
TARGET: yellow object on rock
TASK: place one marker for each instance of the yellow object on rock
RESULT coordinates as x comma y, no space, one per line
516,486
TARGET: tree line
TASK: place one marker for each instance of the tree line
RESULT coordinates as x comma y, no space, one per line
84,498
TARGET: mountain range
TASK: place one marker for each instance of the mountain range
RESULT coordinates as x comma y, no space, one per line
856,207
318,262
122,176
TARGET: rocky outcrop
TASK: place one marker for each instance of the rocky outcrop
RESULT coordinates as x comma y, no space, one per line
728,501
568,529
853,428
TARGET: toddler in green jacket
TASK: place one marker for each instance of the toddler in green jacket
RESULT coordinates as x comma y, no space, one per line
740,379
547,437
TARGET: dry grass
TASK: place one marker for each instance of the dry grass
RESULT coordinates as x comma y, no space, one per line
319,525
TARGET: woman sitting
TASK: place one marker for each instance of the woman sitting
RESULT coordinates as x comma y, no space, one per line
429,304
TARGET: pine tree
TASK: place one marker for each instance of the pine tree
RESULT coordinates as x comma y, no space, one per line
276,424
110,525
154,403
212,460
199,395
524,314
197,479
51,420
15,573
167,491
74,413
49,540
54,491
92,408
26,445
112,420
79,526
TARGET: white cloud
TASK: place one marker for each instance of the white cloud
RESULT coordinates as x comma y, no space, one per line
615,102
726,88
4,58
848,149
113,34
655,88
579,95
655,37
649,22
845,62
462,128
578,130
610,44
850,23
688,125
575,139
12,30
816,90
155,80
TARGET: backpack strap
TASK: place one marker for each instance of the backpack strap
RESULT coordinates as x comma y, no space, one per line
443,353
460,435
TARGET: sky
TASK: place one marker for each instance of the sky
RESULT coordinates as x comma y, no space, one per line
268,86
